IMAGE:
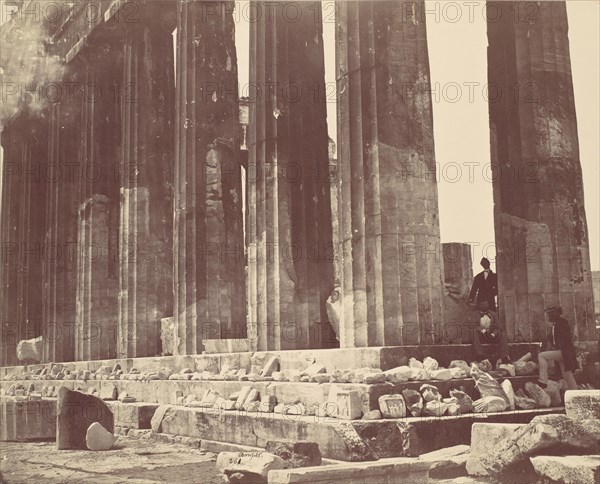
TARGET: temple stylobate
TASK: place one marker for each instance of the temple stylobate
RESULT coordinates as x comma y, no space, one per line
139,218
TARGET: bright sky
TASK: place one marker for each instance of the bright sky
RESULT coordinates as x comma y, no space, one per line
457,55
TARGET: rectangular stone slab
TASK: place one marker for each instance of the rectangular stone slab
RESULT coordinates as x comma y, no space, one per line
357,440
136,415
23,421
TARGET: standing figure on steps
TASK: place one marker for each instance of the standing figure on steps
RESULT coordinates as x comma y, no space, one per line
560,349
485,286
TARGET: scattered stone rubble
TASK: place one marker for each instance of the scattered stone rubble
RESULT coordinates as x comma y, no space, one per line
341,403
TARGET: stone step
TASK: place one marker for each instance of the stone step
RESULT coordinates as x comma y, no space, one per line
383,357
310,394
357,440
34,420
27,420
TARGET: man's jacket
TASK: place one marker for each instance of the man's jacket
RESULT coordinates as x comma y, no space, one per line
484,289
560,338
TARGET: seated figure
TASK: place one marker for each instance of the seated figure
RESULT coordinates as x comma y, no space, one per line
489,332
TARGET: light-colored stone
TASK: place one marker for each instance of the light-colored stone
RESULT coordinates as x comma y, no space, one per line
244,392
542,399
30,350
430,364
400,374
349,405
441,374
490,404
572,469
583,404
271,366
508,389
98,438
435,408
485,437
258,463
374,378
108,392
314,369
545,433
392,406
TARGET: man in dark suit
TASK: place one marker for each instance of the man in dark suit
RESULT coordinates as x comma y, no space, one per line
485,286
559,348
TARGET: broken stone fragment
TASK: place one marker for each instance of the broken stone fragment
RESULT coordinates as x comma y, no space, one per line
268,403
414,363
349,405
252,396
30,350
296,454
372,415
435,408
374,378
462,365
104,370
572,469
508,389
185,371
464,401
414,401
544,434
271,366
76,411
108,392
257,463
243,394
430,364
98,438
441,374
320,378
400,374
489,405
419,374
582,404
392,406
314,369
430,393
125,398
542,399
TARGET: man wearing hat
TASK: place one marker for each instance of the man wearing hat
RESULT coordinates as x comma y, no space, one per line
560,349
485,286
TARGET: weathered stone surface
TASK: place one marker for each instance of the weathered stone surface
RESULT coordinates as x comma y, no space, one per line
98,438
157,418
450,468
490,404
399,374
508,389
544,433
572,469
414,402
295,454
30,350
349,406
108,392
582,404
372,415
379,275
27,420
259,463
542,399
485,438
392,406
542,135
76,411
271,366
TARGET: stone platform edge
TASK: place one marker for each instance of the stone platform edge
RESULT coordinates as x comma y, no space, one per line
382,357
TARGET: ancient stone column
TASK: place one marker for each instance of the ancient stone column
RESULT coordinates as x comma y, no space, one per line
98,217
460,317
539,214
23,226
60,254
290,270
392,265
146,222
209,288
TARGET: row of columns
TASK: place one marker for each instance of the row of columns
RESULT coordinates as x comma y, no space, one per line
167,236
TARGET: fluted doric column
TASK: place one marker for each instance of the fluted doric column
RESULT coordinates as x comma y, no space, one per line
539,215
60,254
23,223
208,235
146,223
392,264
98,217
290,270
